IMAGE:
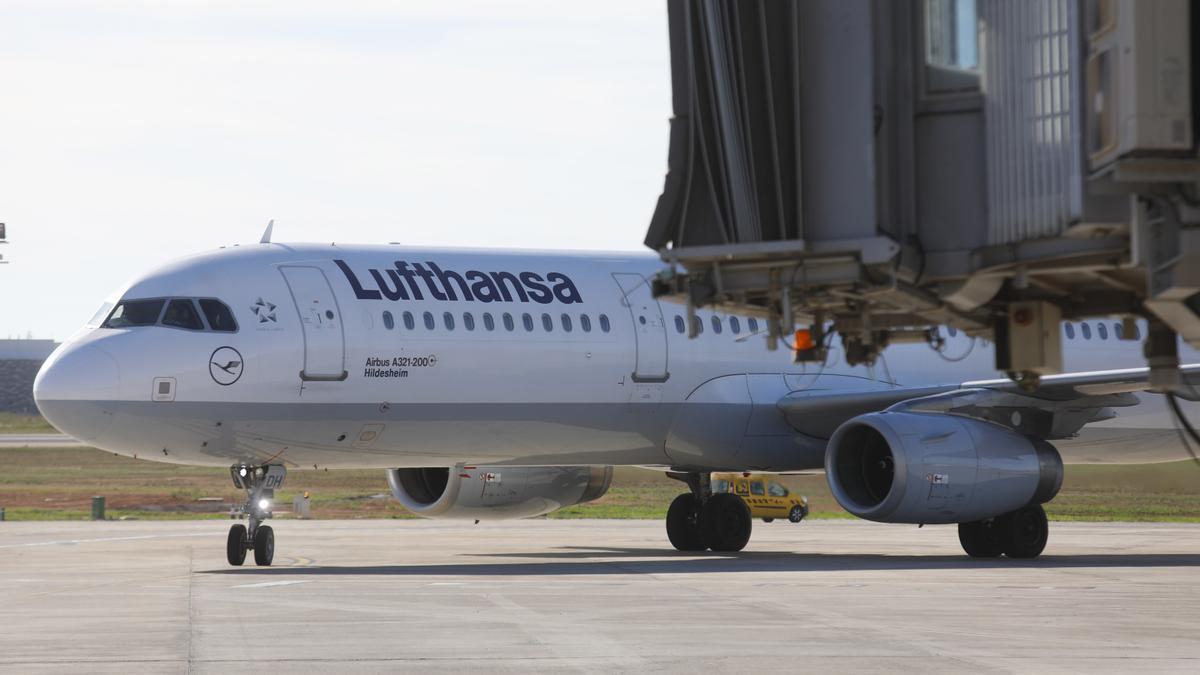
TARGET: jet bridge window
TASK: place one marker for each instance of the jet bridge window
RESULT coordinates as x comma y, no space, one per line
135,313
182,314
220,318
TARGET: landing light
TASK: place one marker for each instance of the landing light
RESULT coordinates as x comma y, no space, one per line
264,504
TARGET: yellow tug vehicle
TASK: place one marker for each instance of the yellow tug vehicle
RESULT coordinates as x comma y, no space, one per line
767,498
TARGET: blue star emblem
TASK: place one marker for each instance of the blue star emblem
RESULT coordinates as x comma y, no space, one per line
264,310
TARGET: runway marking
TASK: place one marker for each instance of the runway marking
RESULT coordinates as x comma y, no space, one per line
60,542
272,583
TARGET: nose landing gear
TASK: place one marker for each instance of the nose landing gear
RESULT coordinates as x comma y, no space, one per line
260,483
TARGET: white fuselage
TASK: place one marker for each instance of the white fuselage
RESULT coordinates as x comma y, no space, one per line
386,356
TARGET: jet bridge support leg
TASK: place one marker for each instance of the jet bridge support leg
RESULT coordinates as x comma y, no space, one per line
700,520
260,483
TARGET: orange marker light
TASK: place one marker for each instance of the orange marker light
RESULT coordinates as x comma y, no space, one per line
804,340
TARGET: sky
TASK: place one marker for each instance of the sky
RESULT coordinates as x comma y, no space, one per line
133,132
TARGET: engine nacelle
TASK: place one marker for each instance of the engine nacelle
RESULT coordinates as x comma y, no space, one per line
906,467
496,493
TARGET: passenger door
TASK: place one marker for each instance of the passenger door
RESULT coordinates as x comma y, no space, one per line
321,321
649,328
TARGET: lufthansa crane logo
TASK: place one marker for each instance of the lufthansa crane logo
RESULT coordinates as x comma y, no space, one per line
225,366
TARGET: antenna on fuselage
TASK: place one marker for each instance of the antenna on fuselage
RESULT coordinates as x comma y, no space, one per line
266,238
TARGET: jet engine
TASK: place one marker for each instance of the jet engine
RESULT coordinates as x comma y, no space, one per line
907,467
496,493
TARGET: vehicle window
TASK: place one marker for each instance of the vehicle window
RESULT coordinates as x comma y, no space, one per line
508,322
409,321
1086,330
488,322
468,321
428,317
604,325
776,490
697,325
448,319
527,321
585,322
566,323
741,487
182,314
547,323
388,322
1070,330
716,324
1102,330
753,324
135,313
220,318
101,314
756,488
735,325
720,485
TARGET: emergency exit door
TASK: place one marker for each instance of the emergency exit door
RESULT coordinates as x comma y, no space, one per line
649,329
321,323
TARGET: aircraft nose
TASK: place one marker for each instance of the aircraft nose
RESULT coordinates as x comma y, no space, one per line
72,386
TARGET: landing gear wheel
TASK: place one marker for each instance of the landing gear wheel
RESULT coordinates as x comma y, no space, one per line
981,539
768,520
797,513
264,546
726,522
683,524
1024,532
235,545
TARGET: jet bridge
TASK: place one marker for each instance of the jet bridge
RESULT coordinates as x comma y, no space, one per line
880,168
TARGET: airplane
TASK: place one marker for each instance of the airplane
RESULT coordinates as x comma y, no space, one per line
507,384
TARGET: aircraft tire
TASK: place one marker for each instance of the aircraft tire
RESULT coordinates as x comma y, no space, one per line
726,522
982,538
1024,532
683,527
264,546
235,545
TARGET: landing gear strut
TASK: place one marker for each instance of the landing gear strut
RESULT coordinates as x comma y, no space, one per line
260,483
700,520
1020,534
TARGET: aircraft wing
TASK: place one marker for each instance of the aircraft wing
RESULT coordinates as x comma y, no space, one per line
1058,407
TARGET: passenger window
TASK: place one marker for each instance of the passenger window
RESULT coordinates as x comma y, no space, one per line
697,325
680,326
1070,330
1086,330
566,323
488,322
753,324
428,316
409,321
219,317
756,489
952,331
776,490
508,322
585,322
1137,332
547,323
468,321
388,322
527,321
1118,330
1102,330
604,325
182,314
735,325
716,324
448,319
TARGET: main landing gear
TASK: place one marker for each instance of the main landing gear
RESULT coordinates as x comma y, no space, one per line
1020,534
700,520
260,483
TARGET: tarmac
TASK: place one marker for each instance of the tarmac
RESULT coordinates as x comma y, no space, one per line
589,596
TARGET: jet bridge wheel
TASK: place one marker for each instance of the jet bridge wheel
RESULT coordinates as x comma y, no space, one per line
235,545
683,524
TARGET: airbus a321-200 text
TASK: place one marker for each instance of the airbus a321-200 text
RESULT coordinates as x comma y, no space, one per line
507,384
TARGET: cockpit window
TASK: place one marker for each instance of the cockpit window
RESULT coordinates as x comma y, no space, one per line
101,314
135,313
182,314
219,317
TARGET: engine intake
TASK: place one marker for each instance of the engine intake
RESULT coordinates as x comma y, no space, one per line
496,493
906,467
